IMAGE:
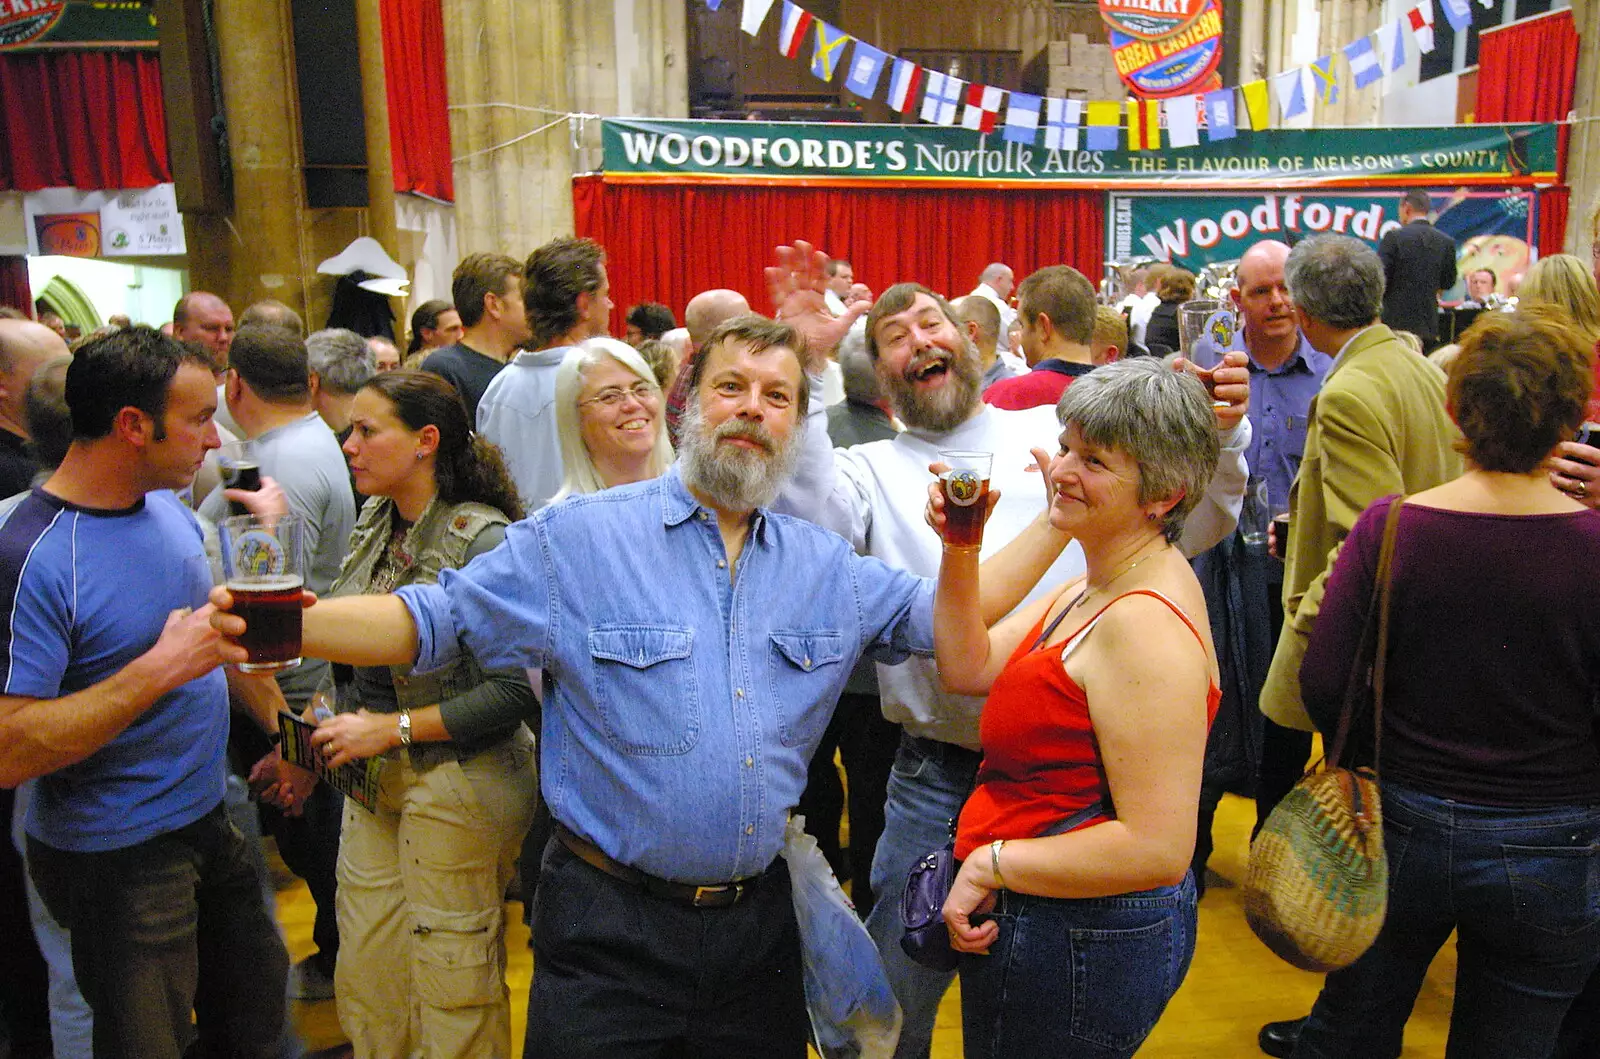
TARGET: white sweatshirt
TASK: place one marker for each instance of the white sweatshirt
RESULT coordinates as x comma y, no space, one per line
873,495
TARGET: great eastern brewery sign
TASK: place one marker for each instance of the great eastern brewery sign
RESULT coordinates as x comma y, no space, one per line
844,154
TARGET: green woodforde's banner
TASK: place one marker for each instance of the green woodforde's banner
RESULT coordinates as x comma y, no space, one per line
844,154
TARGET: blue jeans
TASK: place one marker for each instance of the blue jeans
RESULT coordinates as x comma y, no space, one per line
1079,978
927,786
154,922
1522,889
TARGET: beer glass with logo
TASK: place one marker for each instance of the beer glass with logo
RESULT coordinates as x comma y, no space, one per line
263,566
966,497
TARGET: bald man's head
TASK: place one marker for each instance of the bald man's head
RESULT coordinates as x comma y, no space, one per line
709,309
1262,295
203,319
24,346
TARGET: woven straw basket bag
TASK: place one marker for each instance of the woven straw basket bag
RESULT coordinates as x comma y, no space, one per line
1317,885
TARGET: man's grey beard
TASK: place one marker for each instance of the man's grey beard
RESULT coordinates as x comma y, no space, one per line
734,478
952,405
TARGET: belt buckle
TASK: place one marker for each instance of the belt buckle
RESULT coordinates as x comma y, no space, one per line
705,896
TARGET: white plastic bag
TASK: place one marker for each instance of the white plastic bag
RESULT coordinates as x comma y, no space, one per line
853,1010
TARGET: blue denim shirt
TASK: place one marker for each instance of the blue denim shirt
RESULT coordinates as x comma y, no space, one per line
1279,401
681,707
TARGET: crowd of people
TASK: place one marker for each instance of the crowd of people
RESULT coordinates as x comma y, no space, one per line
610,608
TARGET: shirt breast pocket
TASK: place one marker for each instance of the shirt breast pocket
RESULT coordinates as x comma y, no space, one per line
645,687
801,666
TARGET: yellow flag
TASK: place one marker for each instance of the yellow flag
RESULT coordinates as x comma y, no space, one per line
1257,103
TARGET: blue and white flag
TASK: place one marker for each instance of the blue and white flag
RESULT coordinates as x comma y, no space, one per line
754,13
1220,121
1459,13
1022,119
943,98
1290,87
1392,42
1061,120
865,70
1364,65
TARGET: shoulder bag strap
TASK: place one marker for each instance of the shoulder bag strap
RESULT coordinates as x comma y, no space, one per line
1367,671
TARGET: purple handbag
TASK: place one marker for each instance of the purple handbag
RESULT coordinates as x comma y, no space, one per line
927,937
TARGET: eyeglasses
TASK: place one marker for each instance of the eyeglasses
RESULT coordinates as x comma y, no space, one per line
613,396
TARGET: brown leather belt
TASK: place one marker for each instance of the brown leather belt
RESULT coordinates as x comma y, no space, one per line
722,895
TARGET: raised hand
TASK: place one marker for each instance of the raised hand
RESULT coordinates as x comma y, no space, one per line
796,281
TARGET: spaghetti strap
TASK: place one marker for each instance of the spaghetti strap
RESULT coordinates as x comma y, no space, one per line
1077,637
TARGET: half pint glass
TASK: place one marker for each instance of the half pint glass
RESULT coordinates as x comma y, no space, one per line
966,497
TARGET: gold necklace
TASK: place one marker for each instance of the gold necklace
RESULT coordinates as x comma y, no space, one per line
1126,568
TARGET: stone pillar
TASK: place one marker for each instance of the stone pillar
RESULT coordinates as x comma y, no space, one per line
504,58
1583,149
255,251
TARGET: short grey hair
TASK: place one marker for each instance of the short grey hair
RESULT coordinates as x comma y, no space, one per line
1337,280
1160,417
340,359
860,376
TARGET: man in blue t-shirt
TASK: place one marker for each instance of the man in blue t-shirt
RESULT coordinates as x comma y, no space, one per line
114,698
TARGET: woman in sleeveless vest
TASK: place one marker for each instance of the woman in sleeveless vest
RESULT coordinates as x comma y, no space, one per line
422,878
1074,906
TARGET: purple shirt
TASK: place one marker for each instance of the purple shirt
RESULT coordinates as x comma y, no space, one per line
1494,653
1279,400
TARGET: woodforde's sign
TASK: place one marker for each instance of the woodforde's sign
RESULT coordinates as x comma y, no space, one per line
646,150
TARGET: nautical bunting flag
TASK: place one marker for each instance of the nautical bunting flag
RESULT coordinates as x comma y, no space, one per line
1325,80
865,71
1290,87
1183,120
1257,104
755,13
904,81
792,31
1392,40
1420,19
713,4
1459,12
1062,117
1022,118
1221,124
1364,65
1144,125
983,107
828,50
1105,124
944,96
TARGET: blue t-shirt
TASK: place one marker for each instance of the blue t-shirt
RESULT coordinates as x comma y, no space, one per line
84,592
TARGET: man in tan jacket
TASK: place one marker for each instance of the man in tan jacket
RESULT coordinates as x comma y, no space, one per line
1377,427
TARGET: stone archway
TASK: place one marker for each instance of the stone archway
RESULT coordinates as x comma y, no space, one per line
67,300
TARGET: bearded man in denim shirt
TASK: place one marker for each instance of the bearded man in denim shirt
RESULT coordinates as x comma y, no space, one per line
693,645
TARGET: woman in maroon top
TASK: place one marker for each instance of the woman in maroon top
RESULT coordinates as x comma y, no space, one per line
1490,765
1102,692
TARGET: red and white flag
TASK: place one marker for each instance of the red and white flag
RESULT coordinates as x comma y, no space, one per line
792,31
983,107
1420,19
904,81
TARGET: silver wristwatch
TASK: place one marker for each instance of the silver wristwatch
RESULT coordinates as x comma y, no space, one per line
405,727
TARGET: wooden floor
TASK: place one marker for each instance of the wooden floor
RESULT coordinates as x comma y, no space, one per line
1234,985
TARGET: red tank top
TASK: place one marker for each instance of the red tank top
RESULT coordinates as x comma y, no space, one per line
1041,762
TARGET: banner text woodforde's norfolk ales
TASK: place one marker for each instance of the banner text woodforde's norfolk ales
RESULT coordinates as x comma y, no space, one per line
638,150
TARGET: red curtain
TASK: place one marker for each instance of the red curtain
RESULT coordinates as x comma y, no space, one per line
86,119
419,116
1552,228
1526,72
667,243
14,289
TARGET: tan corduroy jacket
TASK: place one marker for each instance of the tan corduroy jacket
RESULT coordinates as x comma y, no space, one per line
1377,427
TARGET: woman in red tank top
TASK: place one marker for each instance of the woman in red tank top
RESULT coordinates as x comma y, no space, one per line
1102,693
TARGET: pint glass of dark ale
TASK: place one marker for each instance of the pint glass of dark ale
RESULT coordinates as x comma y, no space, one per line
966,497
262,560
